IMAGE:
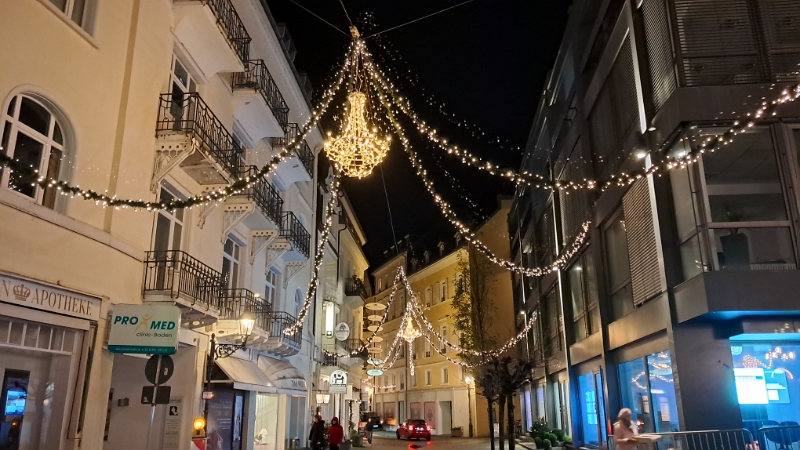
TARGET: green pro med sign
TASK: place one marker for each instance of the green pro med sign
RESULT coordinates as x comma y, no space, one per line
148,329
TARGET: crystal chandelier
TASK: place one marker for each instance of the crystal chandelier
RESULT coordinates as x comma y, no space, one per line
358,149
408,333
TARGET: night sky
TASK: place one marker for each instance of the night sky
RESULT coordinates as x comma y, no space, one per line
486,61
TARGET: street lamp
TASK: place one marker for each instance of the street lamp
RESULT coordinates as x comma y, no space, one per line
246,323
468,379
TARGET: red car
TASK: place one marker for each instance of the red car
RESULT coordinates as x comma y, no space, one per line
414,429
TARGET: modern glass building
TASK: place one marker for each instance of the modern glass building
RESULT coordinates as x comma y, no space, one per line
682,301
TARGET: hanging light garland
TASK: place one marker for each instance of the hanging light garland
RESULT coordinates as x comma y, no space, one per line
408,333
318,257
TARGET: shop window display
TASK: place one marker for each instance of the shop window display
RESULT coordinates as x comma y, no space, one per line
266,423
647,388
766,385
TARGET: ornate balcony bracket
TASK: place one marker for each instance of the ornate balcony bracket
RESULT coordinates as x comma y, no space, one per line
259,239
171,150
207,209
275,250
292,269
234,214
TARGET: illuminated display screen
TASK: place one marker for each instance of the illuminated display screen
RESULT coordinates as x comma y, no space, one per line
751,386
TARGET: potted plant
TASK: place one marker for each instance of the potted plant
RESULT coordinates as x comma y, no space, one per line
346,444
356,439
546,444
457,431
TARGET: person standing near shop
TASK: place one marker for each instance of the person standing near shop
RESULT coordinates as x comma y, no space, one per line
335,434
317,435
625,430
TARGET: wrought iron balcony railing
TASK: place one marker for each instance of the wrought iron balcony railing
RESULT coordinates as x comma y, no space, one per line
176,273
292,228
188,113
356,348
354,286
277,321
231,25
304,153
329,359
266,197
236,301
256,76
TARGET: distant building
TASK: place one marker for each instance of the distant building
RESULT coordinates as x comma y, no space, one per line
684,295
438,391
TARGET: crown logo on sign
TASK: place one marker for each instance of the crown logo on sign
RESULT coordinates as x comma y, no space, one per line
21,292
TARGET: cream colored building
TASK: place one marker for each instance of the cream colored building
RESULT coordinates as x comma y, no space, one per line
153,99
438,391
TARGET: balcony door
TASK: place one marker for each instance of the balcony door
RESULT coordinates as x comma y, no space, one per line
167,240
181,82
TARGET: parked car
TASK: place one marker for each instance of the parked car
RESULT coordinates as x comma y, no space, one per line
414,429
373,420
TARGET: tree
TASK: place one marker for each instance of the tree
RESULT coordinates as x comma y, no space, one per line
473,320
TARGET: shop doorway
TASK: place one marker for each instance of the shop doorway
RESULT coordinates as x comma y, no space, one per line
447,416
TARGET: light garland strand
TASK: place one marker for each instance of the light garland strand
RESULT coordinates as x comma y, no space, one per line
385,315
215,196
318,257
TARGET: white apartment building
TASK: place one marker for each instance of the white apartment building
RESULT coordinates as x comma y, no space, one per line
341,309
153,99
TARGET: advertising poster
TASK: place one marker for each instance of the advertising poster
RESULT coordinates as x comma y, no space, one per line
430,414
416,410
238,410
220,420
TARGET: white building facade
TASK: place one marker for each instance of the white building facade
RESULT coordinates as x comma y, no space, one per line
153,100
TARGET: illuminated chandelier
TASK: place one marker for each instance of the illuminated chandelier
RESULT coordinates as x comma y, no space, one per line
408,333
358,149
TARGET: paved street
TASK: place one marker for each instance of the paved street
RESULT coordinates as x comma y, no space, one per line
387,440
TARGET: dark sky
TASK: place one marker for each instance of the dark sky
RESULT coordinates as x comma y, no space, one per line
486,61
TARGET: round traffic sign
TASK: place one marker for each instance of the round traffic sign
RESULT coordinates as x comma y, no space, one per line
164,374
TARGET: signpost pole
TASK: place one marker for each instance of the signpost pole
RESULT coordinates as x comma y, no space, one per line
153,402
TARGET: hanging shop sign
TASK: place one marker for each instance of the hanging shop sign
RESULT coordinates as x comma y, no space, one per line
337,382
148,329
374,372
342,332
48,298
375,361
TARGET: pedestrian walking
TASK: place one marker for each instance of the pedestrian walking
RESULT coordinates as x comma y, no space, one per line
625,430
316,438
335,434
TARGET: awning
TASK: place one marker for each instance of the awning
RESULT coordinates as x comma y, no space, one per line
283,375
246,375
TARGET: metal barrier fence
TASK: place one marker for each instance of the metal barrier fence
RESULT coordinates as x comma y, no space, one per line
696,440
785,436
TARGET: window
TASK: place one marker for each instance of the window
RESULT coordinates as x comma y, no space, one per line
583,291
79,11
181,81
618,270
33,136
413,381
380,285
443,290
428,295
169,224
646,386
427,349
445,376
273,285
551,328
443,347
298,302
427,378
230,263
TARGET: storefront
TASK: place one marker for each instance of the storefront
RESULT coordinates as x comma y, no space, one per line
647,388
594,427
47,336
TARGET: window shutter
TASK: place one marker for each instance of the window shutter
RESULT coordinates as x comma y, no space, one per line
642,245
781,24
659,49
576,204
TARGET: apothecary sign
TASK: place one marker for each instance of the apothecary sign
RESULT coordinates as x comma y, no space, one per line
48,298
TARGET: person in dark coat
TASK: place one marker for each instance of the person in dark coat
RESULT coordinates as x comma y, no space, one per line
335,434
317,435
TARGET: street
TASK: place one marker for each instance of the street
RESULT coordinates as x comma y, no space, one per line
385,440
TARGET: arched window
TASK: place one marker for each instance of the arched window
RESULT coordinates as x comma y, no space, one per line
33,136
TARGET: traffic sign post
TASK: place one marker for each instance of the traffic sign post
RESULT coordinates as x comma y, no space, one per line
158,370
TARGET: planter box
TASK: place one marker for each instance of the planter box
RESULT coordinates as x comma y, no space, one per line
457,432
345,446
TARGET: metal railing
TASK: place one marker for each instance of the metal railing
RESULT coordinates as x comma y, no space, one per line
256,76
176,273
785,436
355,286
235,301
304,152
231,25
292,228
277,321
265,196
740,439
188,113
356,348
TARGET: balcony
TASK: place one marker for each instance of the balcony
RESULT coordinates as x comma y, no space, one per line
354,287
258,104
234,303
176,277
213,34
189,135
355,348
294,231
299,165
278,343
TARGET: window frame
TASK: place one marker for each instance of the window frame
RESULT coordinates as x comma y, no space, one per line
445,376
172,217
612,291
272,287
428,378
47,141
235,259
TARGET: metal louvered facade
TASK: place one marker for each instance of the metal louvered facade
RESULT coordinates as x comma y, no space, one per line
659,51
642,245
615,111
738,41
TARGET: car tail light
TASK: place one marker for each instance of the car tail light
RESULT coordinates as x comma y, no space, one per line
428,427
